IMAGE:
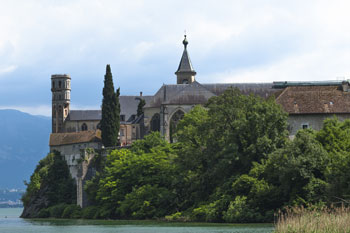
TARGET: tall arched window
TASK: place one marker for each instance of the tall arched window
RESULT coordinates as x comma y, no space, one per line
155,122
84,127
177,116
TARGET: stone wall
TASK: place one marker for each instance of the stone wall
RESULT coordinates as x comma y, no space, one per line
313,121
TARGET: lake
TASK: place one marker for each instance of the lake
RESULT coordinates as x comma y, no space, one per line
11,223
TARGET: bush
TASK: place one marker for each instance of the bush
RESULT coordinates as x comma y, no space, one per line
90,212
72,211
146,202
56,211
239,212
43,213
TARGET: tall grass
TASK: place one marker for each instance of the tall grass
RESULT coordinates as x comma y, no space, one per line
301,220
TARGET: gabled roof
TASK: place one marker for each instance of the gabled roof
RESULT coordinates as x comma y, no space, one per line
57,139
196,93
314,100
84,115
193,93
128,108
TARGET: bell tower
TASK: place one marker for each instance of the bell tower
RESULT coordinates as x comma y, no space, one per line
185,73
60,88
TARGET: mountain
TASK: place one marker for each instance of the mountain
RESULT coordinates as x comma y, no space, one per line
24,141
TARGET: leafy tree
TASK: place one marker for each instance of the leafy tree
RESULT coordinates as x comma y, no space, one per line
220,142
110,121
135,182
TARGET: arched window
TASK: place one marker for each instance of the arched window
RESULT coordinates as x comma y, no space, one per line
177,116
155,122
84,127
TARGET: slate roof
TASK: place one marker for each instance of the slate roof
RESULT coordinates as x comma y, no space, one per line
57,139
196,93
128,107
314,100
185,63
84,115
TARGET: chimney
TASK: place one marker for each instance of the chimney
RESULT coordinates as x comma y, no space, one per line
140,93
345,86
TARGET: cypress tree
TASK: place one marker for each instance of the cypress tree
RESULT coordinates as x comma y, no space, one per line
110,111
140,106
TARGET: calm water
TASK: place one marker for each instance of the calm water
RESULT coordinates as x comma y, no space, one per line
11,223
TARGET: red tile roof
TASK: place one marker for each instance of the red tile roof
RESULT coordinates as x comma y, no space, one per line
57,139
314,99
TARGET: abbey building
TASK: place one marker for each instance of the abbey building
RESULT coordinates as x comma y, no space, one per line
307,103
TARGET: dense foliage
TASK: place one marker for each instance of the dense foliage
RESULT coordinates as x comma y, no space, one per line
232,162
110,120
50,184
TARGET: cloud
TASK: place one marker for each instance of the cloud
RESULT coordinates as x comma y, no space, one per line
7,69
229,41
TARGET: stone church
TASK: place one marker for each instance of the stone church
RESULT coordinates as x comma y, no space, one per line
307,103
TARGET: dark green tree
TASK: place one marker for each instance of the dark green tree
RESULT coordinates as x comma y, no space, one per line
110,111
142,103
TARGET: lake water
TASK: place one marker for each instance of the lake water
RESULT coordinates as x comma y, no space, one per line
11,223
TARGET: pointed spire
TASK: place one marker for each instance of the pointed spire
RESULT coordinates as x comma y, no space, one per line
185,72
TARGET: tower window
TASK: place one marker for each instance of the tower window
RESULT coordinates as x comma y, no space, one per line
53,84
84,127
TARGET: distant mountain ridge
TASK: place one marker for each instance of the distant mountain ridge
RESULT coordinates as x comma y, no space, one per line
23,142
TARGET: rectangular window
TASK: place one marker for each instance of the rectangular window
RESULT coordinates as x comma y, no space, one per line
121,132
122,117
305,126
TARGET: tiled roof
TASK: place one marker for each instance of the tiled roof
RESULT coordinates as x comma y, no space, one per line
314,99
57,139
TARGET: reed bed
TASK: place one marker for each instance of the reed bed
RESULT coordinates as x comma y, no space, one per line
302,220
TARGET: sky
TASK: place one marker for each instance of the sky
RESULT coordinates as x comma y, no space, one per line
230,41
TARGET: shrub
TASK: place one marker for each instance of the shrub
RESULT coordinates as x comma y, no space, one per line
239,211
43,213
56,211
72,211
89,212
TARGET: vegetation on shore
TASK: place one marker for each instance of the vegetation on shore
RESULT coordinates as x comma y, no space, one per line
232,162
324,220
51,184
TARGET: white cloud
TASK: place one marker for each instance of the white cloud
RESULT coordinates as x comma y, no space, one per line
231,40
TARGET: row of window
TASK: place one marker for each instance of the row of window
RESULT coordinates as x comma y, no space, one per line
61,84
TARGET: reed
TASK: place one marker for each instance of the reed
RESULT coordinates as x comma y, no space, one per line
302,220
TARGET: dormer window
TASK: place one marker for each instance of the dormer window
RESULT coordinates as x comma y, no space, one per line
122,117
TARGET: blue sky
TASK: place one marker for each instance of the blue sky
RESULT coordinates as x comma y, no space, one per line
229,41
